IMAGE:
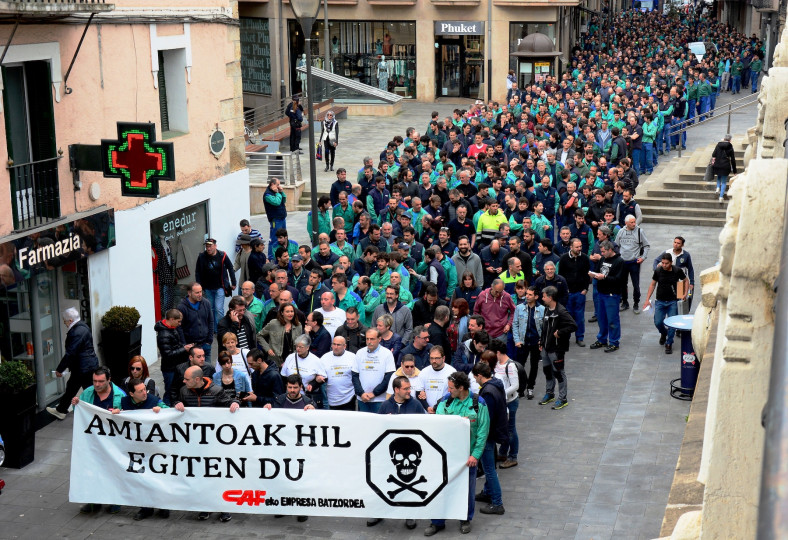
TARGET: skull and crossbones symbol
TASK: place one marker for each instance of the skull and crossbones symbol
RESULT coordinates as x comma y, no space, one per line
406,457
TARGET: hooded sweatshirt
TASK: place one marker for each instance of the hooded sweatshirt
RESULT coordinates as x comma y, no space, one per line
497,312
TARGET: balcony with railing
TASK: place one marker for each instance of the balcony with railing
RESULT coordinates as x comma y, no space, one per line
38,8
35,193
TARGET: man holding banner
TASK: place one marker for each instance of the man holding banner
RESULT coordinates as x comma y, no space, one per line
371,373
461,402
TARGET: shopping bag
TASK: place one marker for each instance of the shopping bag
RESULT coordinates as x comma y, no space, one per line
318,152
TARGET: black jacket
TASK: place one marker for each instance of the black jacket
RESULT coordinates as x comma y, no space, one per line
210,395
613,269
575,271
557,320
438,336
170,346
724,159
279,401
180,372
80,355
423,313
356,338
197,325
267,385
494,396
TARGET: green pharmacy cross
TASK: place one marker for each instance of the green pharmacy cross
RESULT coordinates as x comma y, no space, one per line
137,159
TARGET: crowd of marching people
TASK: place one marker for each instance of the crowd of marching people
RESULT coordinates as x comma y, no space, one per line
447,268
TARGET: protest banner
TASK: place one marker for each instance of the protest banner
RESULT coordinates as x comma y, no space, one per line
320,463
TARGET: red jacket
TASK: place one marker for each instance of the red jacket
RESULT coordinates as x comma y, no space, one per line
497,312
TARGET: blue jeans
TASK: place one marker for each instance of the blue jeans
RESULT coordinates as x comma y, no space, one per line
637,160
755,82
168,377
692,105
674,137
662,310
206,347
722,183
369,406
471,498
705,103
275,224
713,97
492,486
511,448
658,144
647,157
576,306
736,84
216,298
609,322
596,299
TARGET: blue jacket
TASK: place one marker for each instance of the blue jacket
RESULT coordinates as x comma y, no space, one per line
241,379
411,406
520,324
80,356
197,323
422,357
274,212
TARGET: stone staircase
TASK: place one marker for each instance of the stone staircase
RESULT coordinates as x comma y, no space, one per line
305,202
677,194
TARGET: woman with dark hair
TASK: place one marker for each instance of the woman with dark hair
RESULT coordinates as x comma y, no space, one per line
138,369
468,289
277,338
459,322
232,380
257,259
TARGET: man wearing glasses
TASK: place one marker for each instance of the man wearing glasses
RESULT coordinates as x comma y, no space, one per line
434,379
420,348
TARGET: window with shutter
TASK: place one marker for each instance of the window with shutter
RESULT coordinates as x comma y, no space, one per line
165,119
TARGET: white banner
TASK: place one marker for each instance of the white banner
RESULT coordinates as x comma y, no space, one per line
319,463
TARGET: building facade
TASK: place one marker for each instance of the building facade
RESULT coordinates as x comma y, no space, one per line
69,235
431,49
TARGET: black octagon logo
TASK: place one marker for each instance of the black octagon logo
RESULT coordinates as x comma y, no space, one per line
405,467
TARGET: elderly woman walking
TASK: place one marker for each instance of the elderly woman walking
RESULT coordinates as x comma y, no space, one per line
329,137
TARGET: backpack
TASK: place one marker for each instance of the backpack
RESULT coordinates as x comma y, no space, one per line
522,379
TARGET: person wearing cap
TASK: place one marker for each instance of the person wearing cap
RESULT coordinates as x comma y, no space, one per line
295,114
299,275
275,204
214,271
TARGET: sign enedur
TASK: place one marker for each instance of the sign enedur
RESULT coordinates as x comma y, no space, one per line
459,28
328,463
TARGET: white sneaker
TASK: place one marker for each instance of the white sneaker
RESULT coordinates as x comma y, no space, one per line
57,414
722,200
717,191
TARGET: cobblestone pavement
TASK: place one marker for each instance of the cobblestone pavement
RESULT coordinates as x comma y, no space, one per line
600,468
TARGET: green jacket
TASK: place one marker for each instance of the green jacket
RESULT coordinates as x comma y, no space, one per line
480,421
649,131
756,66
737,68
117,394
323,222
367,306
692,91
704,89
348,215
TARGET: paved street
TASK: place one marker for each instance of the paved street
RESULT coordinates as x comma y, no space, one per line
600,468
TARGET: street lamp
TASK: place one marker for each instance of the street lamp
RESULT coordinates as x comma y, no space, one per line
306,13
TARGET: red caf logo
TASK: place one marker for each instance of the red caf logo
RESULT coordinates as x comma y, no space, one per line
240,497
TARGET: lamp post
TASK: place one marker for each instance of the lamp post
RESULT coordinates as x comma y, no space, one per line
306,13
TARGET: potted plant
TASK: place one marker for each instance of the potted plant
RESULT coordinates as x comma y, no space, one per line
18,403
121,338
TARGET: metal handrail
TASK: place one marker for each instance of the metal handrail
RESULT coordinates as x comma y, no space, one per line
727,105
354,85
708,118
258,117
773,504
266,165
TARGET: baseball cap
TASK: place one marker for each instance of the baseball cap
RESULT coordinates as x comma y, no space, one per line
243,239
210,241
403,245
296,258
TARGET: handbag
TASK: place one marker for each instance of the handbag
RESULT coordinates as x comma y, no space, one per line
182,271
319,152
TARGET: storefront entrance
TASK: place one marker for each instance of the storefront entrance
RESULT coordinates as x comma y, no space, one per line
459,65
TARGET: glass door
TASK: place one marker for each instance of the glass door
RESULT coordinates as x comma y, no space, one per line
473,67
447,63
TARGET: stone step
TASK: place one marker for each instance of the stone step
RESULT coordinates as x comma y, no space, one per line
698,213
666,199
662,192
690,185
684,220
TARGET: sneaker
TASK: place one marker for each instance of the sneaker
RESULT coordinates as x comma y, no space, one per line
548,398
636,311
433,529
482,497
623,307
509,463
597,345
663,338
202,516
465,527
593,319
496,509
530,393
371,522
410,523
302,519
143,513
224,517
722,200
89,508
580,343
717,191
56,413
668,349
611,348
559,404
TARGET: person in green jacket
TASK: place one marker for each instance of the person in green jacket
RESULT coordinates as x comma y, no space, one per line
736,68
323,216
755,71
649,135
461,402
344,210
